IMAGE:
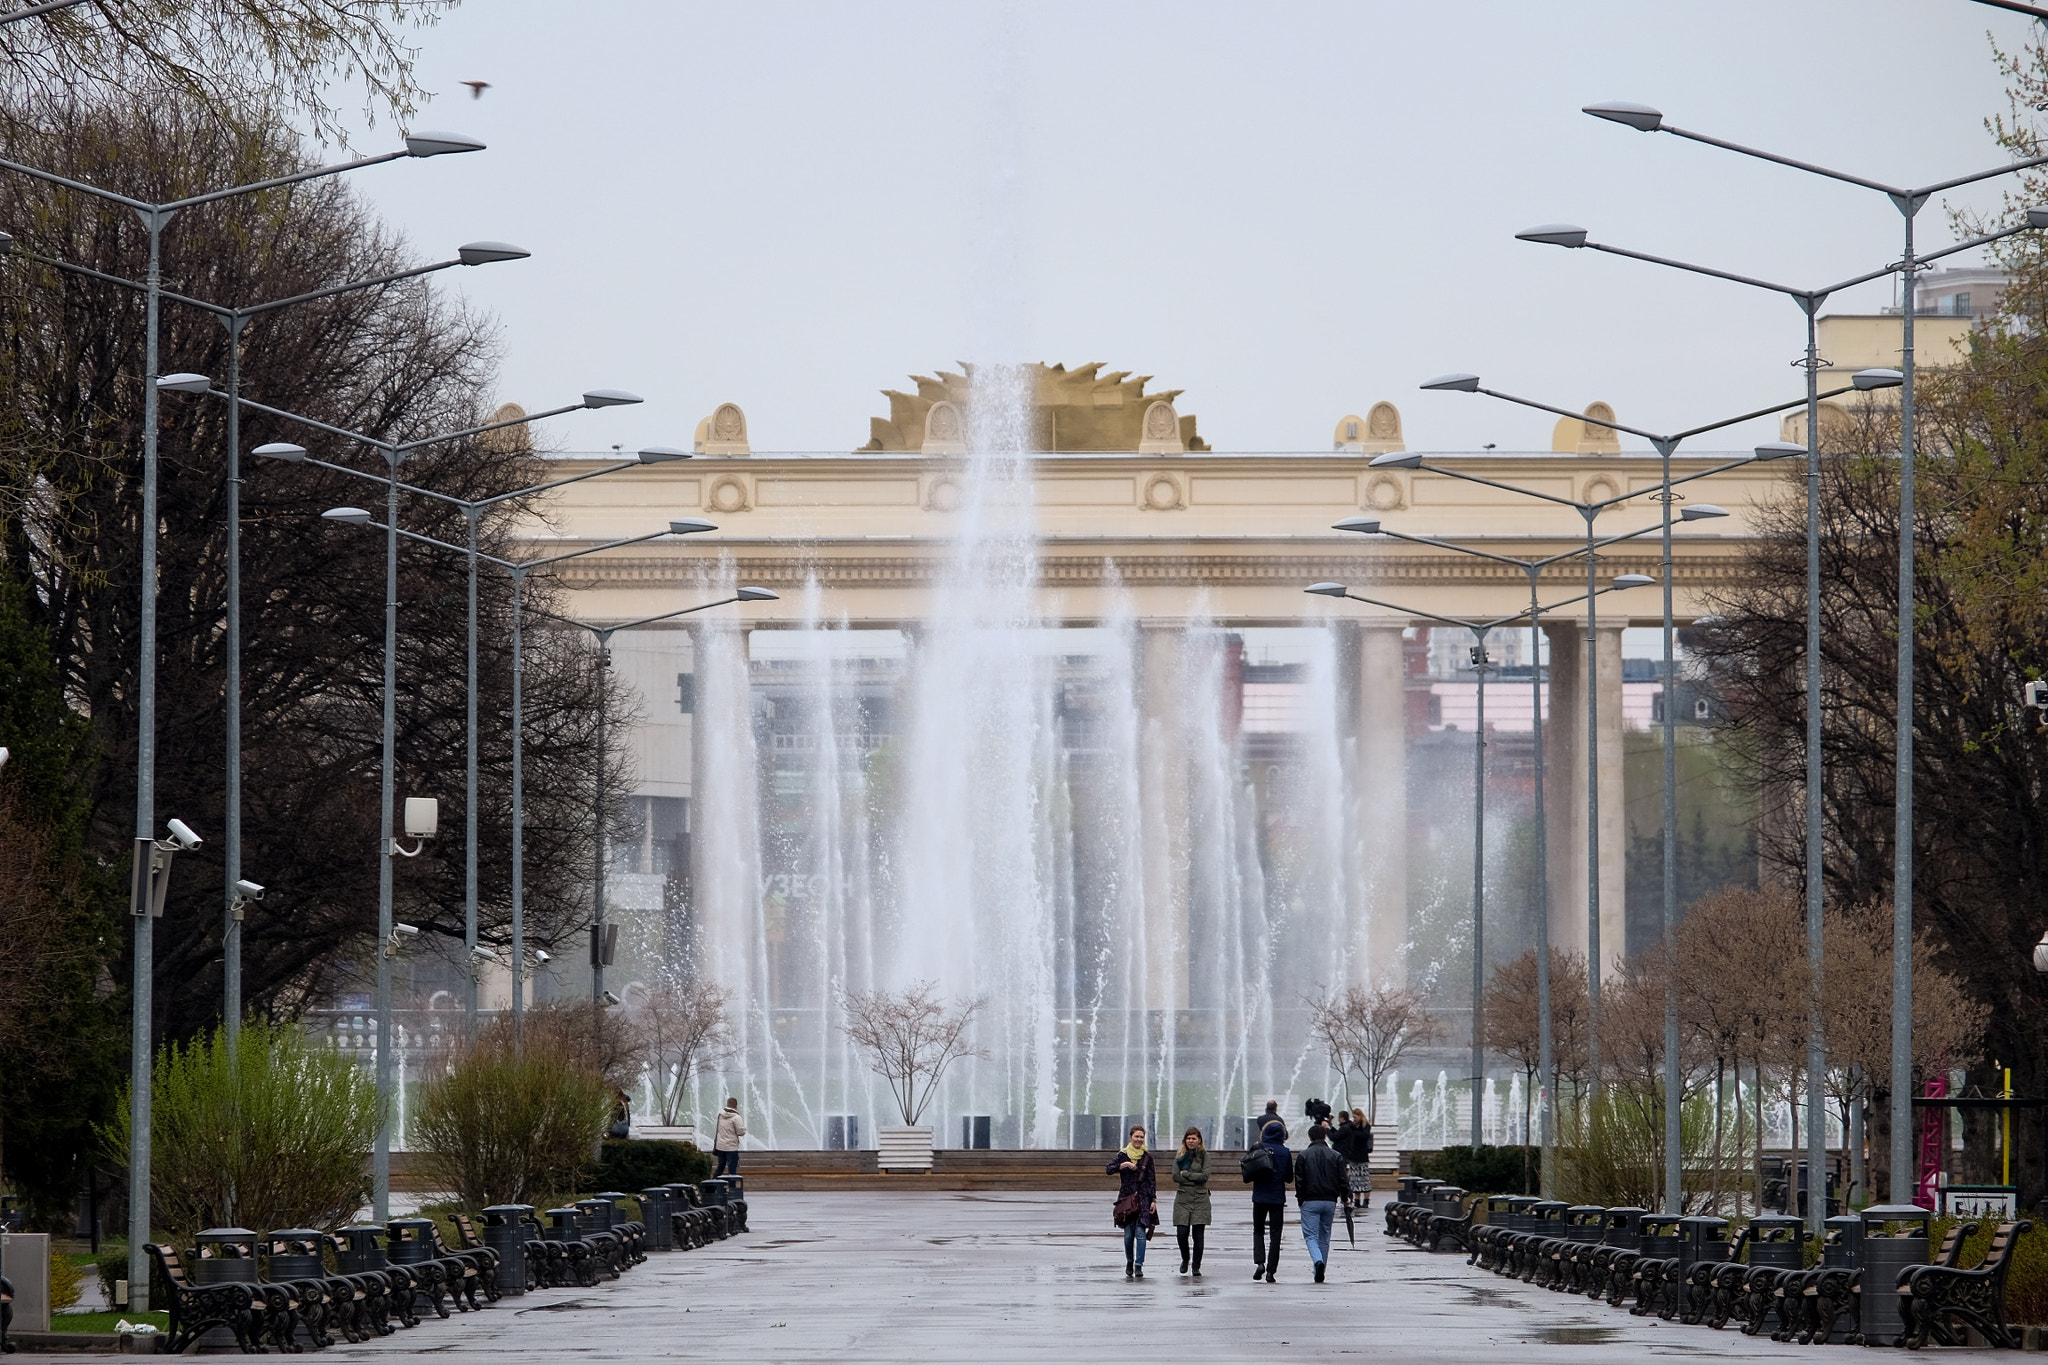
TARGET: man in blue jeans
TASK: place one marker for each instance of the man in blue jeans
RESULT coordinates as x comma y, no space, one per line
1319,1182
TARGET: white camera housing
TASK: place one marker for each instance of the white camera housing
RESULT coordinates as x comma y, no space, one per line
540,955
610,999
182,832
248,890
2036,694
422,817
406,930
483,954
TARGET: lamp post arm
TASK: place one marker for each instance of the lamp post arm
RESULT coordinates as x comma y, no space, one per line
555,483
295,178
1496,483
333,290
592,549
406,447
73,268
1577,550
1711,272
1740,418
1450,545
1350,596
1776,159
31,11
94,190
1927,190
607,631
403,487
1567,412
425,539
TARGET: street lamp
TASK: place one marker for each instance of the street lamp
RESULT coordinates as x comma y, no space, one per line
1809,302
1481,666
473,509
1908,200
1540,896
234,320
155,218
600,956
519,569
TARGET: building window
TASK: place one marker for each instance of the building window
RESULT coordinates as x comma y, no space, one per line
686,693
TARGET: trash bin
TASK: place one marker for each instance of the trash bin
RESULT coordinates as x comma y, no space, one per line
1495,1209
595,1215
1701,1239
225,1256
360,1251
714,1192
1583,1222
565,1224
1517,1216
1894,1237
1622,1227
736,1185
1447,1201
1778,1241
506,1232
1841,1242
409,1241
1657,1236
656,1204
1425,1191
295,1254
1406,1194
1546,1218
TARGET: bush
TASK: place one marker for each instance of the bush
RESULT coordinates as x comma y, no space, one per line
509,1125
1483,1170
634,1164
67,1280
279,1137
111,1265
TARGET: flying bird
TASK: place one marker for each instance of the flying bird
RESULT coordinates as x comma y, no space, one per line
477,88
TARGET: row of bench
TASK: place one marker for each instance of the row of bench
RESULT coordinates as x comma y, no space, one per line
391,1277
1691,1270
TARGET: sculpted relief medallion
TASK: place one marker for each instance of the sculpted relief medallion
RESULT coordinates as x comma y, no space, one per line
728,495
1162,494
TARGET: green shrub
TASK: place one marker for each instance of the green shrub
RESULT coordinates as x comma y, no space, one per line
634,1164
508,1125
111,1265
1483,1170
277,1137
67,1280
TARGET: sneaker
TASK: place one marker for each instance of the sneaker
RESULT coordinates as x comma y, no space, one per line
1197,1272
1270,1279
1183,1265
1319,1272
1141,1272
1130,1272
1258,1273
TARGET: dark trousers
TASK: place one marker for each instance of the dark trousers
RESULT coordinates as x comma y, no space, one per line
1181,1231
1266,1250
728,1164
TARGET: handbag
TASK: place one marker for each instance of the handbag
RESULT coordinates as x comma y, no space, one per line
1127,1207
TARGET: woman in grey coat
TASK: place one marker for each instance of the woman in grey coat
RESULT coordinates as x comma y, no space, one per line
1191,1199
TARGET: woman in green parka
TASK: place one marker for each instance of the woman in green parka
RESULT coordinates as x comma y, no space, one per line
1191,1199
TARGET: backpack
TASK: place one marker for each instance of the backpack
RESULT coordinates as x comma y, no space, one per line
1257,1165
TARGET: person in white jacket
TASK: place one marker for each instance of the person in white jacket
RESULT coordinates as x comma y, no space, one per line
725,1140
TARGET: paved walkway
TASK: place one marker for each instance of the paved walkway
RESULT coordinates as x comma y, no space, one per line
974,1277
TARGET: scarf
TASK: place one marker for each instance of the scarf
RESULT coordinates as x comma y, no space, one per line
1136,1154
1187,1157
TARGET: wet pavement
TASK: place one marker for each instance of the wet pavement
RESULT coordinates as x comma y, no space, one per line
918,1277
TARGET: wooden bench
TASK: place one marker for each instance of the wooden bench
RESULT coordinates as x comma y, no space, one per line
196,1308
1937,1301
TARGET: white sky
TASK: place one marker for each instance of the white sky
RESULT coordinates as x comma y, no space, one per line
1288,211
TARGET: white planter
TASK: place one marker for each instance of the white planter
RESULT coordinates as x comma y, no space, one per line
905,1147
682,1132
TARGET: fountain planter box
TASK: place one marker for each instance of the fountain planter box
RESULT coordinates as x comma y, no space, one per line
905,1148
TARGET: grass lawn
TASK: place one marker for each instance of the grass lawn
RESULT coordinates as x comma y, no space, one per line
104,1322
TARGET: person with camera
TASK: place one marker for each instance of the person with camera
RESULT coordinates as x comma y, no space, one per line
1267,1168
1137,1200
725,1138
1191,1198
1319,1182
1354,1144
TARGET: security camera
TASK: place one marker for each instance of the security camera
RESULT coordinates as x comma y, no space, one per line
248,890
406,930
182,832
2036,695
483,954
540,955
610,999
3,755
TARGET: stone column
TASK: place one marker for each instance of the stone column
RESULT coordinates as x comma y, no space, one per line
1379,944
1163,813
1564,757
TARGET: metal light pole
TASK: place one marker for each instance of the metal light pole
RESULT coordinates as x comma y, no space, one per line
602,636
1908,200
234,320
681,526
1809,302
1540,892
156,217
1481,666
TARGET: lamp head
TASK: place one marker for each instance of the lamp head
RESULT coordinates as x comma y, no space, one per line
1640,117
2041,954
1777,450
663,454
1631,580
6,243
1867,380
488,253
2036,218
1701,511
423,144
184,383
1396,459
757,595
1328,589
687,526
1554,234
610,398
281,450
1365,526
1454,383
354,516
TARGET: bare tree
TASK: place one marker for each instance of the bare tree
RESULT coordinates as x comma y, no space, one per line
912,1036
1369,1031
683,1029
1514,1021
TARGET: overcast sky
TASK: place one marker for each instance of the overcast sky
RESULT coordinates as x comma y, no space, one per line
1288,211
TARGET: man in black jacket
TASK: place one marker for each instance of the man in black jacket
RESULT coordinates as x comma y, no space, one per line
1319,1182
